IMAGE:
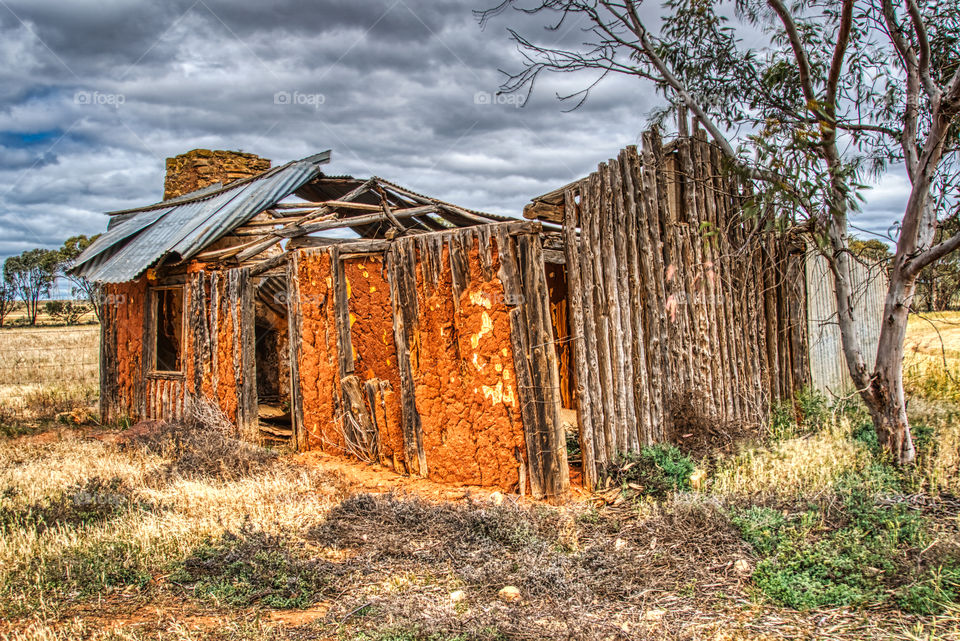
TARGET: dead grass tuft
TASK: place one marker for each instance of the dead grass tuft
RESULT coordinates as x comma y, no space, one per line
581,572
205,445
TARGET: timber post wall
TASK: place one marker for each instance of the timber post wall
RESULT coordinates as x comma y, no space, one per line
683,312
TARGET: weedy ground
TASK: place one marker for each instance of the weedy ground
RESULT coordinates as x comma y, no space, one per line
183,532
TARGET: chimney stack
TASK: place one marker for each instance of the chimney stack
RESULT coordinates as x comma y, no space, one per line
203,167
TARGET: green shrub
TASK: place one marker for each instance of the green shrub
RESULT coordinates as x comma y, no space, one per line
85,503
783,423
657,469
853,555
759,527
933,595
814,409
87,569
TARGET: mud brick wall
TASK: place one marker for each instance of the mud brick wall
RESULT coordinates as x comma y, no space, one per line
375,354
203,167
466,388
216,336
220,344
317,359
121,350
456,416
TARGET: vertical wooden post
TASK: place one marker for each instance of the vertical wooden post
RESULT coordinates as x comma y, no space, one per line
621,312
401,273
581,355
295,332
599,418
248,359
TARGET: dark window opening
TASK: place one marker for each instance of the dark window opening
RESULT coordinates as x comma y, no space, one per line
168,330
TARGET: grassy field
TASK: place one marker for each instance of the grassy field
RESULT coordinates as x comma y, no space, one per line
187,533
932,356
45,371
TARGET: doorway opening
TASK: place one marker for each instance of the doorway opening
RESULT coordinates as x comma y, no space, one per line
272,353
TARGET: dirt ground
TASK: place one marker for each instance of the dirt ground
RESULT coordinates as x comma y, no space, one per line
398,559
413,559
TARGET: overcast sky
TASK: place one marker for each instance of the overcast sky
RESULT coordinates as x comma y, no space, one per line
94,94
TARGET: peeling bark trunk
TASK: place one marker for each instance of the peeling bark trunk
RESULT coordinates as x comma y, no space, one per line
885,398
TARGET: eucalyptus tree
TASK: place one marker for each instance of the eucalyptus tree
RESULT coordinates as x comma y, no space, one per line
31,275
80,286
8,300
832,93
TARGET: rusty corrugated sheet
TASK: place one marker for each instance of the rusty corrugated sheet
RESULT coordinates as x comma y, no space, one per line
144,237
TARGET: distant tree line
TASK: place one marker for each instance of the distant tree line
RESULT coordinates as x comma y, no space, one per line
28,279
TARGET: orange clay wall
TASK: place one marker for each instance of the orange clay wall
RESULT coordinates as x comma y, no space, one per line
465,382
461,357
318,368
375,355
212,328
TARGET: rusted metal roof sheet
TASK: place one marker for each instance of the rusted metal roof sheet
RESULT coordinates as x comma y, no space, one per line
140,238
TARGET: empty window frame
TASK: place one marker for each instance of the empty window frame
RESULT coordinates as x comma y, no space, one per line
167,329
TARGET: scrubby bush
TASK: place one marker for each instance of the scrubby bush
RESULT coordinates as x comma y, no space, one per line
856,554
654,471
253,567
204,445
89,502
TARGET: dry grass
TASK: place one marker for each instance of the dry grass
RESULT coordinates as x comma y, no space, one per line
812,463
190,520
808,465
46,371
932,357
31,356
391,566
42,570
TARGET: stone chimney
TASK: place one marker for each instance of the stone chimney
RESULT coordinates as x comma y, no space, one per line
202,167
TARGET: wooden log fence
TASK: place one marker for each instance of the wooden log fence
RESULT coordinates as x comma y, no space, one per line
685,314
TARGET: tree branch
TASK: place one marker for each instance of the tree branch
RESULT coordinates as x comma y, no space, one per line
923,63
649,51
908,139
850,126
839,54
935,253
803,64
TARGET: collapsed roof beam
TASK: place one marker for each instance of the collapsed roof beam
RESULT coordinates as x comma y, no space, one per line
275,237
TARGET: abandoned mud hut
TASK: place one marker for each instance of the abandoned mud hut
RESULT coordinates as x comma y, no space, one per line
367,320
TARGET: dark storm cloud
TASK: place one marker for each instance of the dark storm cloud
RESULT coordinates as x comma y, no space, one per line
94,94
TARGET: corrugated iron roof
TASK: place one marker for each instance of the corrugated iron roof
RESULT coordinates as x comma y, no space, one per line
137,239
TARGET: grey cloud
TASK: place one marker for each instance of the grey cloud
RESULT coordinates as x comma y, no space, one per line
398,80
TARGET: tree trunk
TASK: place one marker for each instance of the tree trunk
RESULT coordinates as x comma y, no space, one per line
881,390
884,397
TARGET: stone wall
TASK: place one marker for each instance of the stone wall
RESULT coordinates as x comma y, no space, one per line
203,167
